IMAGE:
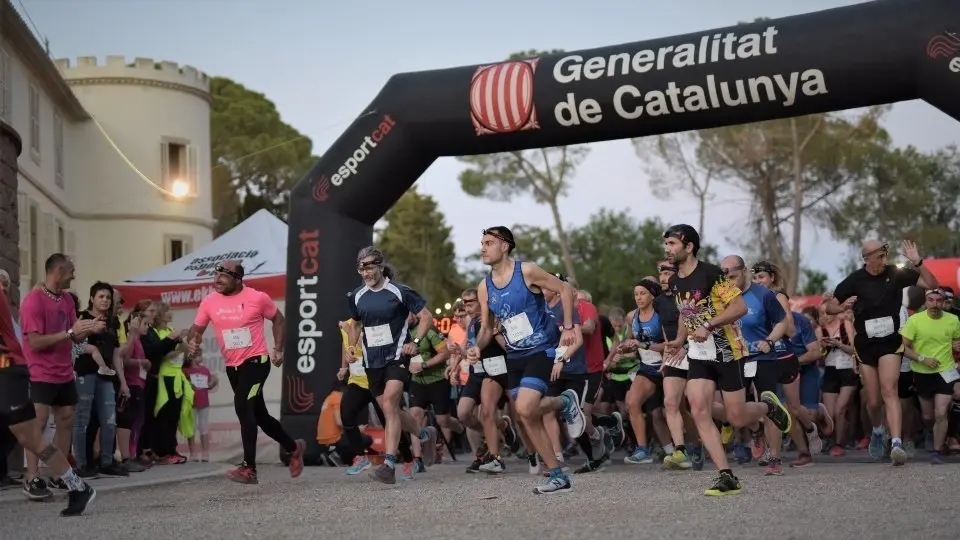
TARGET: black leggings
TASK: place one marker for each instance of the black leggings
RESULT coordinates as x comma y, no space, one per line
354,412
247,381
165,425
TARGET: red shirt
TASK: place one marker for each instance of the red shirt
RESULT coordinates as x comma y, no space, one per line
593,342
10,351
41,314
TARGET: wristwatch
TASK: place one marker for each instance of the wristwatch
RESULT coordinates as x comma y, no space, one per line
921,358
567,327
770,343
70,334
919,264
416,341
708,326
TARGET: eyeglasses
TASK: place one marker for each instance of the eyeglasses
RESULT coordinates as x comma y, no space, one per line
369,265
221,270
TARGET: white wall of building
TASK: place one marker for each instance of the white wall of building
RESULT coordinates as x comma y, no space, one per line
78,195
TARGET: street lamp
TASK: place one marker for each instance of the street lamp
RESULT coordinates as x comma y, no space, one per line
180,189
447,306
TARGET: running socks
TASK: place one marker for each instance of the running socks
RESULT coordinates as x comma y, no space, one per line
73,482
390,461
669,449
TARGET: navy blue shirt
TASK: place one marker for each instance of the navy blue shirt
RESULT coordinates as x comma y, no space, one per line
528,325
804,334
763,313
578,362
383,315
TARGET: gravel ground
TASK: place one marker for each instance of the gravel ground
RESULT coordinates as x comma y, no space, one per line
828,500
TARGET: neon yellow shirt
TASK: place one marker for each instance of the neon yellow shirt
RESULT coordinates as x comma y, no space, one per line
932,338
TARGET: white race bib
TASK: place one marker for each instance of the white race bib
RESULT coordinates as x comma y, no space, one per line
879,328
843,360
650,358
378,336
478,368
750,370
143,374
495,366
356,369
199,381
418,359
561,352
950,376
518,328
706,350
904,364
236,338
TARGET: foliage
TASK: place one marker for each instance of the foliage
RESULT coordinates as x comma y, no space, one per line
812,282
416,240
255,156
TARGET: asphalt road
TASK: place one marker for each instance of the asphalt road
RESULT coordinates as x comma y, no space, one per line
833,500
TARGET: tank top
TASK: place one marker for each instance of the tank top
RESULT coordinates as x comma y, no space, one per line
783,348
648,332
200,380
625,362
528,326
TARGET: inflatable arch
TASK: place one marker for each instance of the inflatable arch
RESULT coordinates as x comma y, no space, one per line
867,54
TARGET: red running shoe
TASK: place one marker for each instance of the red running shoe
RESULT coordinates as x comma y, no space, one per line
296,459
243,474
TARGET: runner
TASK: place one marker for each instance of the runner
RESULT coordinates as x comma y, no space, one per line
356,401
840,373
710,306
930,338
382,307
238,314
874,294
20,416
513,293
468,406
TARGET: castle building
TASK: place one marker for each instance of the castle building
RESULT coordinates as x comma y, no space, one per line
95,135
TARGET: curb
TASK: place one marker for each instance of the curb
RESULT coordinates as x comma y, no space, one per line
14,495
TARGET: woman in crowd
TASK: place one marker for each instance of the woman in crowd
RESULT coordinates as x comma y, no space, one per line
160,342
135,369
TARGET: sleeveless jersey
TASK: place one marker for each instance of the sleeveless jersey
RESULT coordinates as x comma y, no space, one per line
528,326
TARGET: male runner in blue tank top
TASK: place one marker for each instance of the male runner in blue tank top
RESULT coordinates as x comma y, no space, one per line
513,293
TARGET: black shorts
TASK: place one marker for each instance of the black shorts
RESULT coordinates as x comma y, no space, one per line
870,351
15,405
728,376
770,373
394,371
132,408
928,385
471,390
655,401
578,383
437,394
834,379
615,391
905,385
594,383
531,372
674,372
54,394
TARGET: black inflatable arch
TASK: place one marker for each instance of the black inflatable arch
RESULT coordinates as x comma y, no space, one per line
868,54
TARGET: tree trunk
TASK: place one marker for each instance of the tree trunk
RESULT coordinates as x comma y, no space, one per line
563,239
703,214
793,273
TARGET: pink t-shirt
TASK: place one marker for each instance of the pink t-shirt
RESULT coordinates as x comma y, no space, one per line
41,314
200,379
132,373
238,323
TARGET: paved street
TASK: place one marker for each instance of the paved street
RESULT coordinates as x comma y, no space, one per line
844,499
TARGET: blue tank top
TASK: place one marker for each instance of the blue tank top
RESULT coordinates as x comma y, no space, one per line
649,332
528,325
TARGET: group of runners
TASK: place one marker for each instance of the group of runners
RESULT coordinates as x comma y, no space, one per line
711,357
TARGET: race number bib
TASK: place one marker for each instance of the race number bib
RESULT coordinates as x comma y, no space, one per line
378,336
494,366
356,369
418,359
650,358
707,350
684,364
143,374
633,373
950,376
518,328
843,360
749,370
199,381
879,328
478,368
904,364
561,353
236,338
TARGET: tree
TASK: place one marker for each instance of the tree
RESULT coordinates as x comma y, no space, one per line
671,163
416,240
787,167
812,282
543,173
256,157
906,194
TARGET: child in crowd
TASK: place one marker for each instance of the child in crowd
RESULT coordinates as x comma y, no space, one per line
203,382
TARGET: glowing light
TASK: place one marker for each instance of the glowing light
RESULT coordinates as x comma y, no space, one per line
180,189
447,306
899,265
459,300
438,311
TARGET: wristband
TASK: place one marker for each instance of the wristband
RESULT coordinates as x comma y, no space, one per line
708,326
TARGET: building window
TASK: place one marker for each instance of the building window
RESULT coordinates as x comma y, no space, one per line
35,266
34,123
179,167
6,83
175,247
61,237
58,148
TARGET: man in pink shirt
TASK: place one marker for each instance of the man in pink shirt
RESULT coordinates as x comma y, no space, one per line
238,313
50,329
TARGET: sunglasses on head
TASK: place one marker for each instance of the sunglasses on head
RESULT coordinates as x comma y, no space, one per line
221,270
369,265
498,236
666,268
762,267
885,249
728,271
